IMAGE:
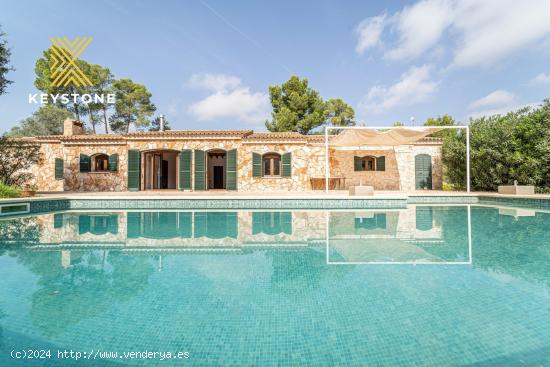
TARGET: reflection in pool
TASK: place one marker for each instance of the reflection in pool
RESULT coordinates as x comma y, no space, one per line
282,287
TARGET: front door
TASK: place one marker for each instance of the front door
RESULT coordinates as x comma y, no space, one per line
216,163
160,170
157,171
423,172
218,177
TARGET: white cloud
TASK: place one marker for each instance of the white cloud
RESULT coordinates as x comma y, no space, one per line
498,102
420,27
368,33
480,32
492,30
415,86
214,82
229,99
542,78
497,98
501,110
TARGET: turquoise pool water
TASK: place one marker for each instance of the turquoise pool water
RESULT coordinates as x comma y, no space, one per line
424,286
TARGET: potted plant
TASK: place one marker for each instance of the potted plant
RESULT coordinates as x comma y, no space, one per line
28,189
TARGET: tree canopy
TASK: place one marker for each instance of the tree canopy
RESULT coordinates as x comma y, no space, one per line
445,120
43,82
155,124
297,107
133,106
340,113
5,67
503,148
47,120
102,80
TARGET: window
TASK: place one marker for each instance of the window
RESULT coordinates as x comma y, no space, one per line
271,164
100,163
369,163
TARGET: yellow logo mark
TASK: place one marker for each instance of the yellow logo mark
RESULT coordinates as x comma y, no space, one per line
64,68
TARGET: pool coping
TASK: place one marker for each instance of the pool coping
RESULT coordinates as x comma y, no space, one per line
54,203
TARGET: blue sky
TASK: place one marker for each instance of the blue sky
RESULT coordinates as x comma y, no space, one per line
209,63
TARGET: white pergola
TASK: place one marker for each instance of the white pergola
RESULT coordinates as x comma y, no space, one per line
420,128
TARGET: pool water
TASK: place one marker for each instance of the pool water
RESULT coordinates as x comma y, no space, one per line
422,286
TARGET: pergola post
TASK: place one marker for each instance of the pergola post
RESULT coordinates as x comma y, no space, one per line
467,158
326,159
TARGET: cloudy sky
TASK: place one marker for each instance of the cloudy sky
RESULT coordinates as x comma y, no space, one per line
209,63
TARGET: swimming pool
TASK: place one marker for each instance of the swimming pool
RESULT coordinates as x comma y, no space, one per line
422,285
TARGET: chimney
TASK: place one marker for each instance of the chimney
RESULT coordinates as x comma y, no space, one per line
161,123
73,127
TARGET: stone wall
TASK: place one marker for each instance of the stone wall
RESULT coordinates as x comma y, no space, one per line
302,167
95,181
342,165
308,161
399,173
44,171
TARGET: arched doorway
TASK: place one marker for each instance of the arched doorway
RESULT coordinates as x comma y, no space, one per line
160,169
423,172
216,168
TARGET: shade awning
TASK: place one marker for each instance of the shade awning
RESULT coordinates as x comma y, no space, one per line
372,137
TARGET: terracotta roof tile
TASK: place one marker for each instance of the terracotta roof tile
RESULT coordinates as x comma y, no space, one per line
290,135
320,138
190,133
246,135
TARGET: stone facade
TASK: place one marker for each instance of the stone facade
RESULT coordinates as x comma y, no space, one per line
308,159
399,173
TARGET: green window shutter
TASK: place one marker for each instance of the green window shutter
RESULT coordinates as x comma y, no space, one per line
381,163
423,171
185,170
357,164
59,169
113,162
231,171
200,170
286,160
134,169
84,163
256,165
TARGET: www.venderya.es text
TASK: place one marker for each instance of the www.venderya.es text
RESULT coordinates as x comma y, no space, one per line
96,354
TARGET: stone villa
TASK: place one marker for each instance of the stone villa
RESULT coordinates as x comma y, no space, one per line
241,160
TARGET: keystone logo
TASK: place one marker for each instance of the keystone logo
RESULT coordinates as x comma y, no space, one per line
64,68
